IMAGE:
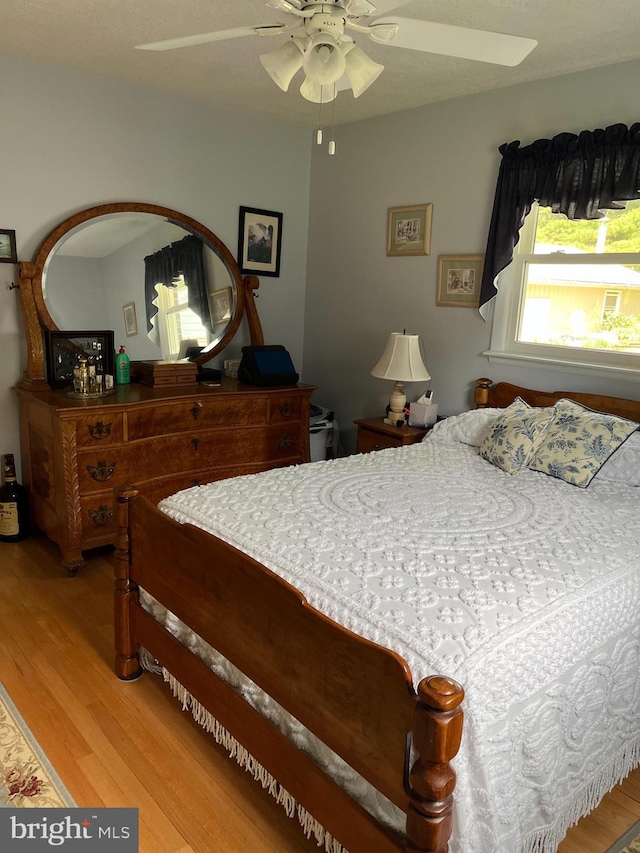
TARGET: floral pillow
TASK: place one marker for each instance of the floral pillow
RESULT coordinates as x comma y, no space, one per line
514,436
579,442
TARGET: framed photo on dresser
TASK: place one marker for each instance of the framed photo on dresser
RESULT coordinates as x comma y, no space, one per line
63,349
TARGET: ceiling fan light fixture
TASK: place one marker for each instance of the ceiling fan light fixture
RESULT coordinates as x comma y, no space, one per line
361,71
324,62
283,64
317,93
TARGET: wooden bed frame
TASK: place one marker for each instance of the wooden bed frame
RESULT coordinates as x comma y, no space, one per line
354,695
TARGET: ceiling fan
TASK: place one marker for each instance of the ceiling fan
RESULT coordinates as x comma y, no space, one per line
319,43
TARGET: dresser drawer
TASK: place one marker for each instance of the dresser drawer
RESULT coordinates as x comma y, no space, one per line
166,455
195,414
99,518
285,409
98,430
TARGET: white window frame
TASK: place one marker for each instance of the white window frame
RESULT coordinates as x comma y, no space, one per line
507,308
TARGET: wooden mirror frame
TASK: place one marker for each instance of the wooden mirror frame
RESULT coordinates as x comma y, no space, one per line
36,315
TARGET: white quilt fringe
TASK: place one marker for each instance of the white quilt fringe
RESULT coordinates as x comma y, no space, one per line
310,826
547,840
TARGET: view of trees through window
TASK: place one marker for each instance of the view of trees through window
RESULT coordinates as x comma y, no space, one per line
584,303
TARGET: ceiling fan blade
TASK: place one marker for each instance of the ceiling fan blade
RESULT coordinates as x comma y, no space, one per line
384,6
220,35
462,42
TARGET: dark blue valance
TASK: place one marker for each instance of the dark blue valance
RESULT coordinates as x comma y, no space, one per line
575,175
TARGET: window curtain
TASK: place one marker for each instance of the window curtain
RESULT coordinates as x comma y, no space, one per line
184,257
574,175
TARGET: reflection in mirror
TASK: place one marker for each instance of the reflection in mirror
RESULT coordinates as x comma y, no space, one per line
99,267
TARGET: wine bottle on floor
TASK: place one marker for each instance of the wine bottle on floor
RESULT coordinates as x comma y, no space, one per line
14,505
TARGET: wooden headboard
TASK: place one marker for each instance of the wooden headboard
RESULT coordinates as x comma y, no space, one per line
502,394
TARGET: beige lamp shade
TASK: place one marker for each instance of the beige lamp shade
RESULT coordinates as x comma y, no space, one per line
401,362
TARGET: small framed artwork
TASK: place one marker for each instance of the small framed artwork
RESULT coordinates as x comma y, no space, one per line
409,230
63,349
220,304
130,319
459,279
259,241
8,254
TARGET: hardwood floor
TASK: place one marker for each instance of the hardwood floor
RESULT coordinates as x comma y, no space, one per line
117,744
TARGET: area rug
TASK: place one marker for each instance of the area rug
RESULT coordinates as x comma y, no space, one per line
629,843
27,779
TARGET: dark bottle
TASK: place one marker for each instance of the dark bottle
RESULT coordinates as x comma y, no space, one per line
14,505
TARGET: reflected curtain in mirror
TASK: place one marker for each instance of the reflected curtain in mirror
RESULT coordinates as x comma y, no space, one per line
166,266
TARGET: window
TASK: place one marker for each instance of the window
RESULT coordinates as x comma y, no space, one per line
176,321
572,294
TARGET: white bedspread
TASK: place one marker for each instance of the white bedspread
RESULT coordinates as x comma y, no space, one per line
524,589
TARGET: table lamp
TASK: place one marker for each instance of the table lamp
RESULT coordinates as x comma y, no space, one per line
402,362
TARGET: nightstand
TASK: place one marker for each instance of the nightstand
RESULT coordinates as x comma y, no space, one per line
374,434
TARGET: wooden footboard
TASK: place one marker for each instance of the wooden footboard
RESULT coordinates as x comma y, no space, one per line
356,696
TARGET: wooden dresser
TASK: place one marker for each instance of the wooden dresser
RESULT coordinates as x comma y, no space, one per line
159,439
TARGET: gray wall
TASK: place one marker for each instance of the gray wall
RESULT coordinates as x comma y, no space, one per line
445,154
69,141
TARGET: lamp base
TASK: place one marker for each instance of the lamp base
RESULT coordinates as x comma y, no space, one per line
397,402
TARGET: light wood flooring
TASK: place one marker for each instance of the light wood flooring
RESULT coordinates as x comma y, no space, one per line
117,744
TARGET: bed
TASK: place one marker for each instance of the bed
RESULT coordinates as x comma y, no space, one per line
315,602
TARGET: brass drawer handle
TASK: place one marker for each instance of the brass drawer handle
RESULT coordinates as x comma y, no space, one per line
99,430
285,442
195,443
101,516
101,472
196,410
286,410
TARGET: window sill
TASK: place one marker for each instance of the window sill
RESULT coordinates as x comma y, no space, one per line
560,366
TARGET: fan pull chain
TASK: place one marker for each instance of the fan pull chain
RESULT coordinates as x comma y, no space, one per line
332,142
319,132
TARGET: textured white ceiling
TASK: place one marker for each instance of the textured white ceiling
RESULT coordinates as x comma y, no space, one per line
99,36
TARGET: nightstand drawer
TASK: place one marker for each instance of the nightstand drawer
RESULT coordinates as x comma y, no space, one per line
375,434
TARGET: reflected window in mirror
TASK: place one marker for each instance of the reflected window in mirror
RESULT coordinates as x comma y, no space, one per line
177,324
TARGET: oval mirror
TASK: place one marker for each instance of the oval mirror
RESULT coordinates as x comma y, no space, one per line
164,283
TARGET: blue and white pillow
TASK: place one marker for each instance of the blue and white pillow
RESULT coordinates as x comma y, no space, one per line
514,436
578,443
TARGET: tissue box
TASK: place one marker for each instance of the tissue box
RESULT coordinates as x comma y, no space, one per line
423,414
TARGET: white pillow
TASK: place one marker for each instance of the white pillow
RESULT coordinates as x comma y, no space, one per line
623,466
469,427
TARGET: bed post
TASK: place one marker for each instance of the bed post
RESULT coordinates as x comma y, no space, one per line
437,730
481,395
127,663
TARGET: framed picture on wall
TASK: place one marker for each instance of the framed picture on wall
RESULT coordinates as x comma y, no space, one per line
63,349
220,304
409,230
259,241
8,254
459,278
130,319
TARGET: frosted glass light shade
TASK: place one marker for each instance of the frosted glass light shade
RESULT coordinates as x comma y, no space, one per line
402,360
318,94
324,62
361,71
282,64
